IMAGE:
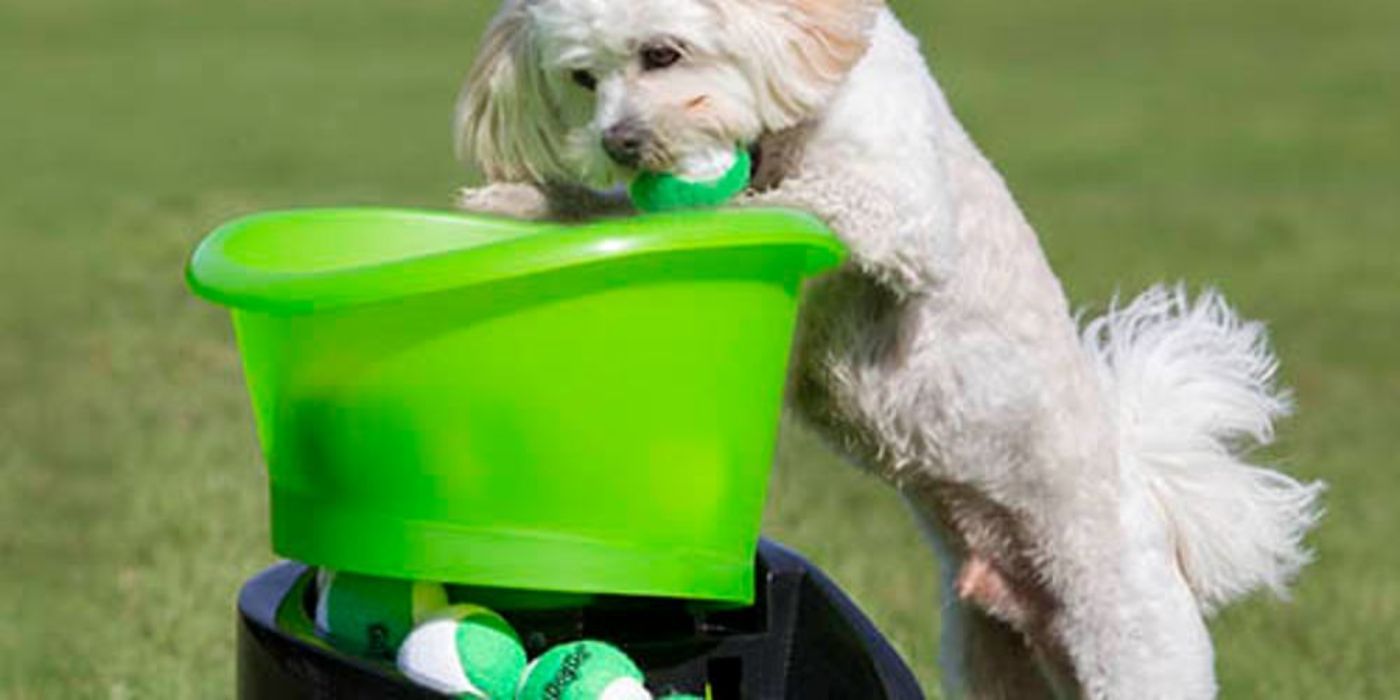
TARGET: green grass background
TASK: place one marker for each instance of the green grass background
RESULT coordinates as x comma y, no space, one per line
1251,144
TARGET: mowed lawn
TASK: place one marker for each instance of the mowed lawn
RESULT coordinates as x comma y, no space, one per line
1253,145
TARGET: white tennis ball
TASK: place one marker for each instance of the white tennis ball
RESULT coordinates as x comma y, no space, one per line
705,165
370,615
585,670
465,651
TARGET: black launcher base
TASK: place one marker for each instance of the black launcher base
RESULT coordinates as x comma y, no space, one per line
802,638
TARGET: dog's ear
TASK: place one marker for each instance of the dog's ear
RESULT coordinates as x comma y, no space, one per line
504,122
799,51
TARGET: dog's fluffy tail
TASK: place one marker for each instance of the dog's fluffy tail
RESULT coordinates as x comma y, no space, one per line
1194,387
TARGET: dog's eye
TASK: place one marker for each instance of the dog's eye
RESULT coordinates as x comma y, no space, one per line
584,79
658,57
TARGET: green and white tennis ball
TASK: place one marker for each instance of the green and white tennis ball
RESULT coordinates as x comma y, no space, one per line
706,180
465,651
369,615
586,670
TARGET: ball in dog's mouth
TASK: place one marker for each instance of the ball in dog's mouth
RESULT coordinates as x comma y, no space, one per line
707,179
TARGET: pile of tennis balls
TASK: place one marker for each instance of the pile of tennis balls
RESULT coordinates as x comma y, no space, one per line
464,650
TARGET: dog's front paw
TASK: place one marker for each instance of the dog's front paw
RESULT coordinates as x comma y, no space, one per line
868,225
505,199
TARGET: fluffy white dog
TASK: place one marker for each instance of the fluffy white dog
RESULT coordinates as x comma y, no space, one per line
1085,491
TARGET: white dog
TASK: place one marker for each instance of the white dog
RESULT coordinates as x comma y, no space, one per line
1084,491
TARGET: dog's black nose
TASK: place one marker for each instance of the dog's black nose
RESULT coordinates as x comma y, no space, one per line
624,142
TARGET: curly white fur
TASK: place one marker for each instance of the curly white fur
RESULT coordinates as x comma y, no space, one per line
1194,385
1087,495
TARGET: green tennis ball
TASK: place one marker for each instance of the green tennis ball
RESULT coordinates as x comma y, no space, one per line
370,616
585,670
659,192
465,651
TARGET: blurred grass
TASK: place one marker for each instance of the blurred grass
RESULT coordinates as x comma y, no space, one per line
1252,144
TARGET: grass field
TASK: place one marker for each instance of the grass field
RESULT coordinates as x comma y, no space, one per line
1251,144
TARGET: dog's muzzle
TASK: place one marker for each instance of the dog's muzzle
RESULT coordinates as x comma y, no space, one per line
624,142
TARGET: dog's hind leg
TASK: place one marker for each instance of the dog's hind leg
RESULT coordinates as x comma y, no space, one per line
982,657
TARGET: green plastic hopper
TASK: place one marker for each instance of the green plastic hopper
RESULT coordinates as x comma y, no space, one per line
460,398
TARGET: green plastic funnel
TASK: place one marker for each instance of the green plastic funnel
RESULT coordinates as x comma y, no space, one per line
499,403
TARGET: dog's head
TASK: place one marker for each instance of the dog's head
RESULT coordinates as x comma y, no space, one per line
589,91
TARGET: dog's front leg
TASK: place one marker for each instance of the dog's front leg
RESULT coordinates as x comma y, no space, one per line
568,202
557,202
512,199
897,233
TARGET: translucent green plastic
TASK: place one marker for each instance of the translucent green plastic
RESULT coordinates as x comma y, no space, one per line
498,403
